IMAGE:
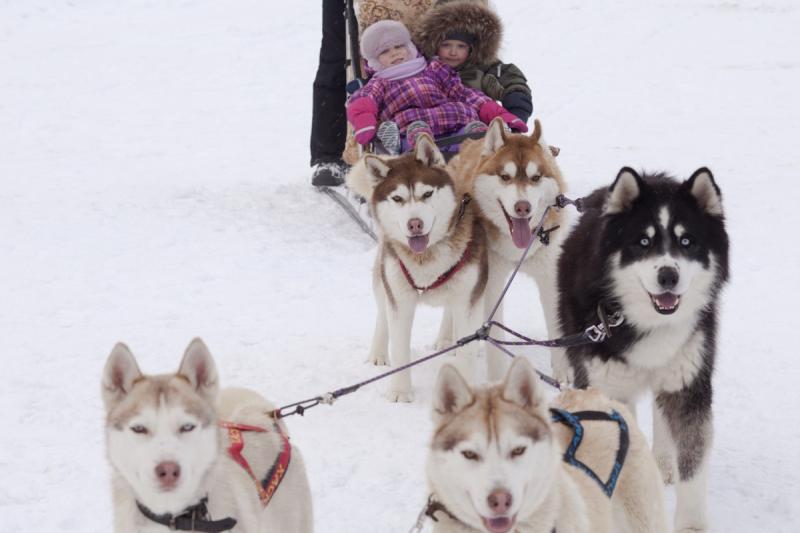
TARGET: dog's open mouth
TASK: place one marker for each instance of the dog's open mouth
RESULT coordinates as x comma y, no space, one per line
499,524
520,229
418,243
666,303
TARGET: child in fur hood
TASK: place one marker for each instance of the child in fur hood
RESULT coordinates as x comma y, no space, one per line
466,34
410,95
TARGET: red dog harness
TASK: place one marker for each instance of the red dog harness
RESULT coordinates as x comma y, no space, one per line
266,487
444,278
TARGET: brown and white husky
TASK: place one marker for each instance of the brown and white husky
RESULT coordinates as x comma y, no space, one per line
432,250
513,178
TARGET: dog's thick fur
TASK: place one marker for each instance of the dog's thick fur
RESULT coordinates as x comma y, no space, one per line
170,422
412,197
513,178
656,249
496,464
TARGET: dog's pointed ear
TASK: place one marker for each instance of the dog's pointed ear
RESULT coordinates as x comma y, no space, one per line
495,137
376,166
521,386
703,187
427,153
198,367
120,372
366,174
451,393
623,192
537,131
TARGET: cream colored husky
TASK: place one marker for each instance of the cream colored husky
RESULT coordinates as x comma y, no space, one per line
496,462
167,437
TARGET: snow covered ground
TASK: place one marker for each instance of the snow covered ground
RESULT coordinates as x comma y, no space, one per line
154,186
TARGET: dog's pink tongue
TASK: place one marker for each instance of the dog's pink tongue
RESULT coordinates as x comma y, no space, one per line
521,232
666,300
418,243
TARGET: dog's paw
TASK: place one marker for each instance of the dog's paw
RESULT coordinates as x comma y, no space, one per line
397,396
665,466
378,359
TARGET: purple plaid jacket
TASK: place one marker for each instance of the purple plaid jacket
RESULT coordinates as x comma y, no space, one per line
435,95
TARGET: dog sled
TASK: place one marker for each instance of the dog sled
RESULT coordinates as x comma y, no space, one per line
357,19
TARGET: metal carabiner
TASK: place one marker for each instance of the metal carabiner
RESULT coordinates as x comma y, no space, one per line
595,333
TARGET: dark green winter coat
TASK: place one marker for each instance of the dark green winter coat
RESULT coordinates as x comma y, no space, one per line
482,70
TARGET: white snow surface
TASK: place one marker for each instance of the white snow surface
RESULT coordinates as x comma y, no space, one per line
155,187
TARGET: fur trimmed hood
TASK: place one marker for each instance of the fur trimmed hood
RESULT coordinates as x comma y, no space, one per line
471,17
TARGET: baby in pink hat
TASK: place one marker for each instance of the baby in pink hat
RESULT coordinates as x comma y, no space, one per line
410,96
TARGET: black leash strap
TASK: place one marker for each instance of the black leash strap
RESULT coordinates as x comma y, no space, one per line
194,518
590,335
300,407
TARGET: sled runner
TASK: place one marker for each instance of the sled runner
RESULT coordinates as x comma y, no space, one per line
353,205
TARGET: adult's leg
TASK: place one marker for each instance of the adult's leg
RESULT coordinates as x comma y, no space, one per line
328,121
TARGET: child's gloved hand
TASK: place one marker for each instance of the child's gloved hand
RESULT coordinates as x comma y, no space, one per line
363,115
491,109
514,122
365,135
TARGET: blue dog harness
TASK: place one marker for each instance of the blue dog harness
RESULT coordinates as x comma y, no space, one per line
573,420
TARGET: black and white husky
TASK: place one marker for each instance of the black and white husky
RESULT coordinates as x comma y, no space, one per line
656,250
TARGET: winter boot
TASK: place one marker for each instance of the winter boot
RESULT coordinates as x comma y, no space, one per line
416,128
329,174
389,135
476,126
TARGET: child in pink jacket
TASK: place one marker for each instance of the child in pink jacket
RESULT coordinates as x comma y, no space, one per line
410,96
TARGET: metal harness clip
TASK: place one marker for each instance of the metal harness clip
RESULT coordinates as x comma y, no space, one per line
328,398
596,333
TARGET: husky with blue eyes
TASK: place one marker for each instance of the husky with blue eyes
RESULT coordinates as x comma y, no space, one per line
497,461
185,457
654,249
432,250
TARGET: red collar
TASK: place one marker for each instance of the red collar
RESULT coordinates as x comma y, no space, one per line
266,487
444,278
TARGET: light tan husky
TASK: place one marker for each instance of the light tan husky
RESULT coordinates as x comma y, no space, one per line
496,462
512,178
167,437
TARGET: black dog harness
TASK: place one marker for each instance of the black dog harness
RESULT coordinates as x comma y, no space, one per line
573,420
194,518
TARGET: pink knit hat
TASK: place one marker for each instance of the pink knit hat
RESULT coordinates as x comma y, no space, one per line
380,37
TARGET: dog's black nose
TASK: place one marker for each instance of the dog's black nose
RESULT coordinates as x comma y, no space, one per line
668,277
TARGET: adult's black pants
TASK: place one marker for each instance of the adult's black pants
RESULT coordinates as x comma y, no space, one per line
328,120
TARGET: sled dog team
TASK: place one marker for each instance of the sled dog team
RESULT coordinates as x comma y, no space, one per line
187,456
